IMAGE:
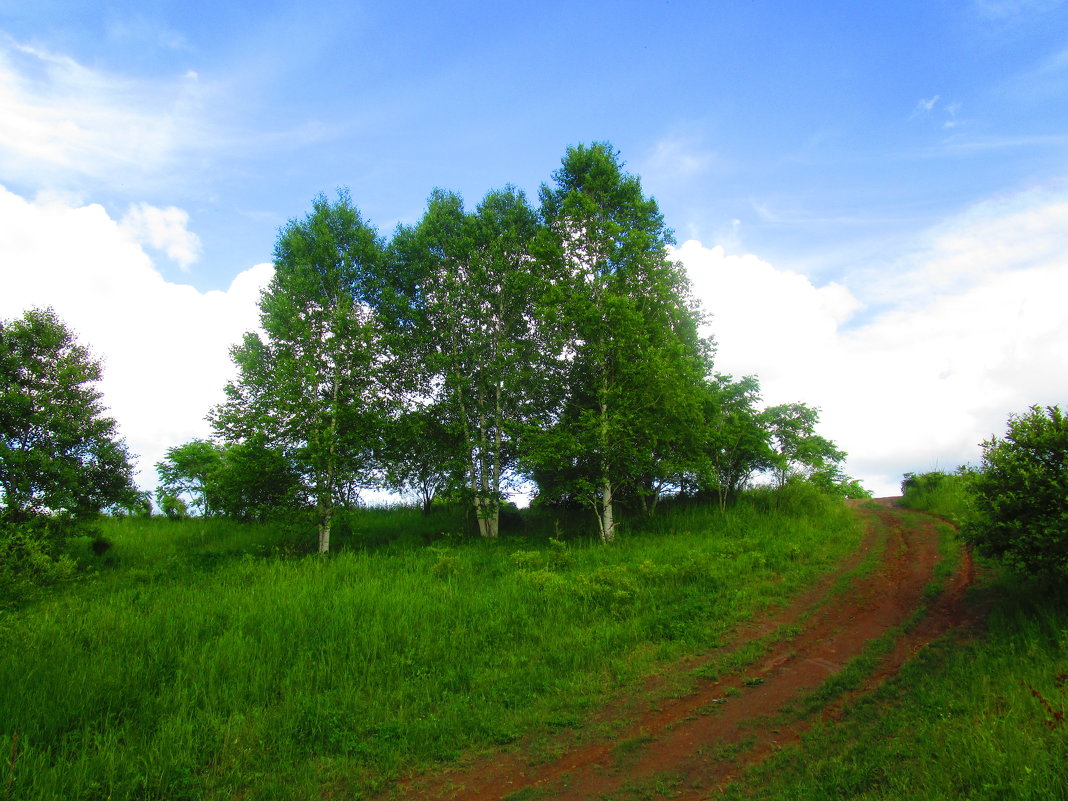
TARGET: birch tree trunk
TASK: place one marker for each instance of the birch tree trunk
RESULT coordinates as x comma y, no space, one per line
608,525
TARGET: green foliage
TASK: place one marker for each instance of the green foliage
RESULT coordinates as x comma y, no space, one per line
59,453
61,460
311,388
797,449
137,505
212,662
421,453
256,482
485,349
29,560
474,341
189,470
173,508
734,442
833,481
244,480
942,494
1020,494
628,325
794,498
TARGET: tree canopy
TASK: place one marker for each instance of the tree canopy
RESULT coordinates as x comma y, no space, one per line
310,386
60,454
484,349
633,361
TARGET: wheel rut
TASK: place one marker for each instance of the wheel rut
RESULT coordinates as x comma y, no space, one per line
688,747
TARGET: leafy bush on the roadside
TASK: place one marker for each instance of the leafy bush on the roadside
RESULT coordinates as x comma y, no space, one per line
1020,494
942,494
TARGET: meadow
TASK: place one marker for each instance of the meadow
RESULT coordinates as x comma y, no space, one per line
211,659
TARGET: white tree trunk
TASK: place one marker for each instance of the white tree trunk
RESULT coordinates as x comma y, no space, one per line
608,523
607,520
325,516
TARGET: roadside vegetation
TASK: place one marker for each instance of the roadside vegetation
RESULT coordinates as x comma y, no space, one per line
938,493
978,714
204,659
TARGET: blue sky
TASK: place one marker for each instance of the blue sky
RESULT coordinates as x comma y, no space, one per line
838,175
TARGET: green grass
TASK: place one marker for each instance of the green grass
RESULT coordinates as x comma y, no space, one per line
974,715
213,660
959,721
941,494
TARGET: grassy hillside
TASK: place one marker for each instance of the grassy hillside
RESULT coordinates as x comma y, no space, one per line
211,660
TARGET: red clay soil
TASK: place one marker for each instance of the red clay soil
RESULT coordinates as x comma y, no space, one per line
696,744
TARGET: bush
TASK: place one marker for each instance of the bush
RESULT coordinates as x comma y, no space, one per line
27,562
174,508
942,494
1020,494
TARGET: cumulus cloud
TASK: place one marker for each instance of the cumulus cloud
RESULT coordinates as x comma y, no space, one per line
163,229
976,330
164,345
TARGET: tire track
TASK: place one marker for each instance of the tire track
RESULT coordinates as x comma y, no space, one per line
699,742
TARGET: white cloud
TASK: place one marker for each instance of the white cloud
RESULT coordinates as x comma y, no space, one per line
925,105
677,158
60,117
164,345
163,229
976,330
968,328
1006,9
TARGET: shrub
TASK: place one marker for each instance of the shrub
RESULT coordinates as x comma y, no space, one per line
942,494
1020,494
27,562
174,508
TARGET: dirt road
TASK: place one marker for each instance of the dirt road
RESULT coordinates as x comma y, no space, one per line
691,745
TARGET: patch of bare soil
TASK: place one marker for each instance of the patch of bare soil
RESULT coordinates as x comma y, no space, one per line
688,747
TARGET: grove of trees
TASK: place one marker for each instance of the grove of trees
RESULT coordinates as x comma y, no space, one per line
556,347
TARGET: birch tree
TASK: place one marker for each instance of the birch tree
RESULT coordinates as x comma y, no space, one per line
474,293
634,359
309,385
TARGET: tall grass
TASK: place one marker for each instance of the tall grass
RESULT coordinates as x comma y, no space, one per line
210,661
941,494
